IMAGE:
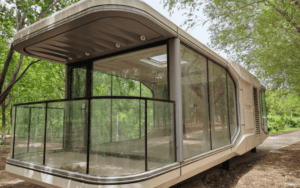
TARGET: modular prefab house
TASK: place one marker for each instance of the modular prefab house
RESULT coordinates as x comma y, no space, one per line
147,105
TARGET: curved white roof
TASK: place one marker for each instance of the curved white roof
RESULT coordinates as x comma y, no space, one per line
95,27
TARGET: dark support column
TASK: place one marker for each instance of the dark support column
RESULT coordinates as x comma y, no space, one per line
15,122
67,127
253,150
111,106
226,165
88,94
69,76
28,135
88,136
89,81
45,134
146,137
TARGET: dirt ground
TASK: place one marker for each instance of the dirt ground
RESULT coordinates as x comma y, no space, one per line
7,181
280,168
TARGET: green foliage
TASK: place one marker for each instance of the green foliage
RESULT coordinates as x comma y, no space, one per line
283,102
282,125
43,81
263,34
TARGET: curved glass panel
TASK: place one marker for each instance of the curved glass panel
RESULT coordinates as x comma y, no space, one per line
218,106
232,106
127,135
263,111
196,131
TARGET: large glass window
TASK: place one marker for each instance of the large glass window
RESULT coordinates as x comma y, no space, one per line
263,111
130,74
218,106
196,132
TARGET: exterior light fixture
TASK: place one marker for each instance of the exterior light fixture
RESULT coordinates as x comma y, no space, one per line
118,45
143,38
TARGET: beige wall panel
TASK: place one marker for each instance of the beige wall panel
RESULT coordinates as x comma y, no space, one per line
242,107
241,146
258,139
249,121
247,94
53,181
251,142
249,131
263,137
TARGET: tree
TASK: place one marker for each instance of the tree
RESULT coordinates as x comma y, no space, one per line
262,34
18,15
280,102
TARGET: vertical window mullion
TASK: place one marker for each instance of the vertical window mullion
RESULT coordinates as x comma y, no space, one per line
208,99
229,130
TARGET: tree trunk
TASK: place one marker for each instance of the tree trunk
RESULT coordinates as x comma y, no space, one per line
3,121
5,67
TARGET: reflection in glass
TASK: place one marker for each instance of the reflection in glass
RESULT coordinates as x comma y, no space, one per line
148,66
196,131
101,84
30,133
218,106
263,110
79,82
67,144
232,106
117,150
160,140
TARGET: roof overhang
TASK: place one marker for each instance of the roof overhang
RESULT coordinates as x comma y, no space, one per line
92,28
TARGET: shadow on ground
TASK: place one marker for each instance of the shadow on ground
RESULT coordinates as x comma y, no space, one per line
279,168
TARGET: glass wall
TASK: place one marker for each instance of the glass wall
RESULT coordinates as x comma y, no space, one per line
218,105
161,140
196,132
232,106
263,111
208,102
29,136
130,74
118,149
66,144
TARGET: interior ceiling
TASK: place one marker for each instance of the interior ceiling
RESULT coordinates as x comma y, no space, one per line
93,39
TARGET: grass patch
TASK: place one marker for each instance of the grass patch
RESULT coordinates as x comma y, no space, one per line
286,129
277,124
